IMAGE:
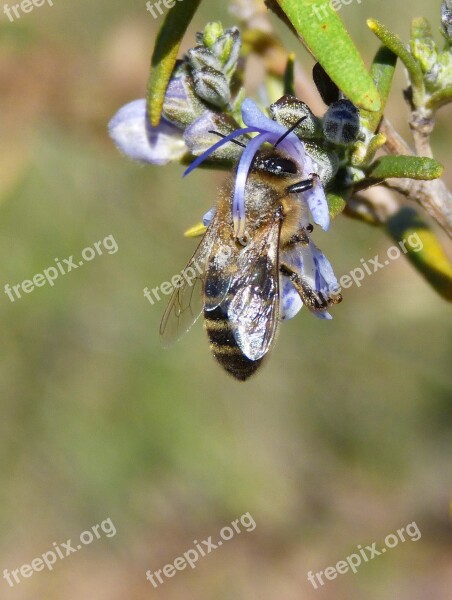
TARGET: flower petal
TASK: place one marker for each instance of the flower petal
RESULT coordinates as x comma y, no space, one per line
207,218
238,202
317,272
290,301
316,198
326,281
254,117
322,314
131,132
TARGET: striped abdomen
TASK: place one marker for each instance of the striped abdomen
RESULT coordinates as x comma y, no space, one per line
224,347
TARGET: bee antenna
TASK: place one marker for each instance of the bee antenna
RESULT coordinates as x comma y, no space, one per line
289,131
223,136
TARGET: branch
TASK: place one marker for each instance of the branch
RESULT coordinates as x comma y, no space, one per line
433,196
395,144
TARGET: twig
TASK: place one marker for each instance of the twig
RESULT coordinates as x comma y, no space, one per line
422,124
395,144
433,196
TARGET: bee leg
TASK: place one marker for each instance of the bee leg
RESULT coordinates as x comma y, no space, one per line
305,185
299,238
315,301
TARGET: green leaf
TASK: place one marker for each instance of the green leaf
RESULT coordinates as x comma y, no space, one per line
363,155
439,99
165,55
395,44
326,37
413,167
422,249
336,204
382,72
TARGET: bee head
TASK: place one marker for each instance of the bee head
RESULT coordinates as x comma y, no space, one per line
277,165
282,169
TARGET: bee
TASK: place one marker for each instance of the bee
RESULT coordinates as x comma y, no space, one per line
237,283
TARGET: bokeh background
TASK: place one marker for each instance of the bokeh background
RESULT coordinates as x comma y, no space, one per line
341,439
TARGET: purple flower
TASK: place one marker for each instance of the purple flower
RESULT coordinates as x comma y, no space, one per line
133,135
268,131
317,272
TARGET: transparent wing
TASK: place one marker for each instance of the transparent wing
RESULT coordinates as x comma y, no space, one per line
186,302
221,266
253,311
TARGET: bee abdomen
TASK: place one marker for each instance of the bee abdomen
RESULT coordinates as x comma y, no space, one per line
224,346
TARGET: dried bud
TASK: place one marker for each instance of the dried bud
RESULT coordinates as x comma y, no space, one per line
212,86
288,110
341,123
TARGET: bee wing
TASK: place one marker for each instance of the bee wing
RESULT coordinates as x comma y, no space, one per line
253,311
186,302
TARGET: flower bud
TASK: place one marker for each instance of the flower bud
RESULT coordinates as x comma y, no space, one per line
212,32
199,137
424,49
288,110
227,49
327,163
200,57
212,86
181,105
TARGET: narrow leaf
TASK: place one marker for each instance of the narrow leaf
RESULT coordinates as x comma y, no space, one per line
165,54
382,72
439,99
422,249
326,37
289,76
413,167
395,44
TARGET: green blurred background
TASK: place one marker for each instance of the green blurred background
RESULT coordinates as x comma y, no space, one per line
341,439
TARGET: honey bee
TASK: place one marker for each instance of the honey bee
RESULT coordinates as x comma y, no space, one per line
237,283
